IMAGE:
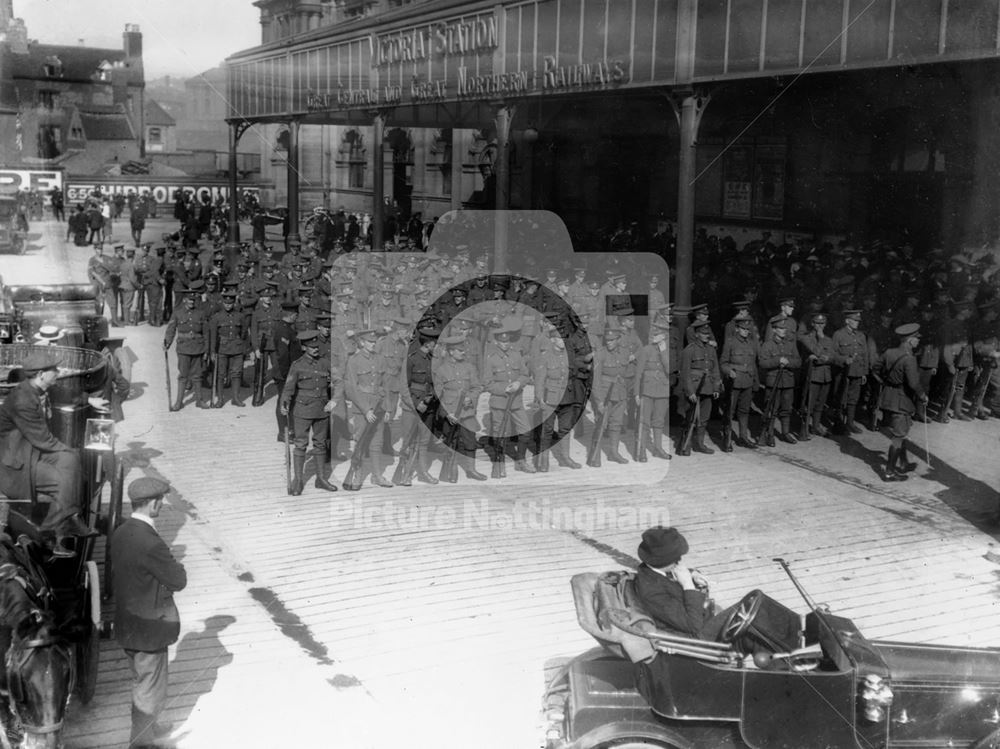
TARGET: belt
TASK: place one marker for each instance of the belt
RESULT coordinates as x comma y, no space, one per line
186,336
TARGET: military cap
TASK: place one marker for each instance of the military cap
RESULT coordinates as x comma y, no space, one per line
288,304
367,334
780,321
743,324
498,282
508,326
819,317
147,487
191,291
661,322
401,322
161,250
323,317
908,330
120,246
580,269
307,335
696,308
742,304
593,285
852,314
40,360
305,288
228,294
786,300
612,332
742,314
459,291
455,339
130,250
701,326
616,277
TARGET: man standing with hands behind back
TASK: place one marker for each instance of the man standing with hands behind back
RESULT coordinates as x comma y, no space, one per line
146,576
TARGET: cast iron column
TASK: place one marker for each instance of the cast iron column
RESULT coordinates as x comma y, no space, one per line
501,180
293,183
233,234
689,107
378,181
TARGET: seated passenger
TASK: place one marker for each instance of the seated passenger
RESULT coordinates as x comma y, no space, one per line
675,596
32,460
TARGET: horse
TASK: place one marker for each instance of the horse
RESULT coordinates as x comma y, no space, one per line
39,668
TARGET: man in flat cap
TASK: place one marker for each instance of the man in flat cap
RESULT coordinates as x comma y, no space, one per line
900,394
32,460
146,576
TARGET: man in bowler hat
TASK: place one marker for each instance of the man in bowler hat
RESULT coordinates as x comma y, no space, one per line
146,576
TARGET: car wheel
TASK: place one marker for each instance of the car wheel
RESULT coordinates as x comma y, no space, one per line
637,744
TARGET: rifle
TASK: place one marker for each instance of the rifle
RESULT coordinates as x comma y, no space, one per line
288,459
449,467
499,470
876,397
640,433
216,401
952,387
842,401
140,307
594,450
727,434
805,401
685,446
354,478
258,377
407,457
770,405
166,367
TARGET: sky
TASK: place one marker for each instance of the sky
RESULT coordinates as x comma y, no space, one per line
179,37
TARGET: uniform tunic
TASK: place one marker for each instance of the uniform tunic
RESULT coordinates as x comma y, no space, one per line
852,351
501,369
901,389
652,384
310,386
191,329
457,389
739,368
228,340
700,364
610,387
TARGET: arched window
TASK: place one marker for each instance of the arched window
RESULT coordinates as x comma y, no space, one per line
351,157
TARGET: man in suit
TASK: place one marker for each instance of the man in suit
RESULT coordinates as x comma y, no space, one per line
146,576
32,460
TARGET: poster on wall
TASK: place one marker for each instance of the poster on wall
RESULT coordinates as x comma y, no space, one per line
708,187
769,182
737,183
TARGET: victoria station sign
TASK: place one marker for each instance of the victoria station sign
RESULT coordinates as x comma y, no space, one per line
536,48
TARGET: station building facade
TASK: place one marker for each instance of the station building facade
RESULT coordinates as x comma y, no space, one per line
799,117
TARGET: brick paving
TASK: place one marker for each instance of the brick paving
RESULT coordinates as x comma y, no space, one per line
427,615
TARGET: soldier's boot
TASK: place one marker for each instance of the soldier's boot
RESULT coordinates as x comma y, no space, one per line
542,461
698,443
817,424
178,404
520,464
903,463
423,465
377,478
359,476
890,473
958,406
746,440
387,448
851,424
614,435
656,445
468,464
642,443
237,383
323,472
560,449
786,431
201,402
298,465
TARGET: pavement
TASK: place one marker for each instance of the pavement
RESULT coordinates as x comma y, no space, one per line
427,615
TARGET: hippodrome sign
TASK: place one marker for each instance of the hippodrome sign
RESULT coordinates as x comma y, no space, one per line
161,193
13,180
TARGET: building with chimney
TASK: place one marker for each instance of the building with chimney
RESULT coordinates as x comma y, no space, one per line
72,107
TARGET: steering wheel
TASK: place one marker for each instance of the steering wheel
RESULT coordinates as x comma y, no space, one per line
740,619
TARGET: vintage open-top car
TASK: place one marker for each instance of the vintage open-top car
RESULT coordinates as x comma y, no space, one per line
775,680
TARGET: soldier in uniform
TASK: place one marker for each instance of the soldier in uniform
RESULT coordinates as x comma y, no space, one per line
901,391
263,321
286,351
191,328
314,394
986,348
957,357
786,311
113,292
555,399
699,314
152,277
610,388
391,349
700,382
817,347
364,387
852,352
652,385
458,392
928,356
739,368
228,344
505,374
780,361
417,397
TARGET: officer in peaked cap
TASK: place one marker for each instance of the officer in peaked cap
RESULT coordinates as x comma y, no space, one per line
780,361
900,394
456,382
853,353
228,341
505,373
818,352
365,389
610,390
315,394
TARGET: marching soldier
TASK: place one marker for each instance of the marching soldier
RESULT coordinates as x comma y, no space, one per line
286,351
417,398
228,344
458,393
899,396
780,361
852,351
191,328
391,349
819,349
365,389
505,374
610,391
700,381
314,395
652,385
739,368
